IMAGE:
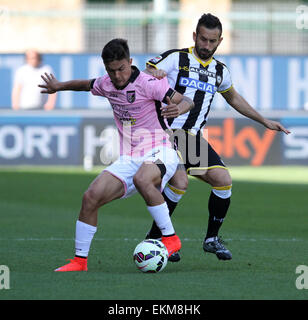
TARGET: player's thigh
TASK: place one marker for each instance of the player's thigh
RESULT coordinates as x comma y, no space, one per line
148,173
105,188
124,169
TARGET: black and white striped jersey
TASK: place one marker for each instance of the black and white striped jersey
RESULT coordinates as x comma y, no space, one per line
195,79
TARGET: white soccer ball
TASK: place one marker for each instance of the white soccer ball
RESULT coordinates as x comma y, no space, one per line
151,255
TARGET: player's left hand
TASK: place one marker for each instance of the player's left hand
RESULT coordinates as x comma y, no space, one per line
171,110
274,125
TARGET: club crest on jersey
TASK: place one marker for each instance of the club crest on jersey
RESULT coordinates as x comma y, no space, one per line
198,85
131,96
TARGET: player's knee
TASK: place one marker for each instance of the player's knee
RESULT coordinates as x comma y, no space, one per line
143,180
89,200
179,180
139,181
218,177
180,184
226,180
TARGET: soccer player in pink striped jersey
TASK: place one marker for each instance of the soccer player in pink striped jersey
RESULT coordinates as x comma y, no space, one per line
147,159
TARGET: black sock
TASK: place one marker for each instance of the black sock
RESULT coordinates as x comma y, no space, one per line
218,208
155,232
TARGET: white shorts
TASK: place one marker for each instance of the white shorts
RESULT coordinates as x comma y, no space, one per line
126,167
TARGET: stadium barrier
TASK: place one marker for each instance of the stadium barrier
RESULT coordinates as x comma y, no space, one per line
90,138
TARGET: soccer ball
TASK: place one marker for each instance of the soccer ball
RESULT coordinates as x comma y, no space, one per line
151,255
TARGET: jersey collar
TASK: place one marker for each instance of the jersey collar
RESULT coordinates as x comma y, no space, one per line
204,64
132,78
134,75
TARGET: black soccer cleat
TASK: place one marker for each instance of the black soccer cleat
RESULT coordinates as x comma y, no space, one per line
216,246
175,257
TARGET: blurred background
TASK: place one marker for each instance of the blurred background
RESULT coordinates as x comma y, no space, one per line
265,47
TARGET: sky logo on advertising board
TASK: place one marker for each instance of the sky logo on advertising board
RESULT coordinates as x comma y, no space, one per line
246,143
196,84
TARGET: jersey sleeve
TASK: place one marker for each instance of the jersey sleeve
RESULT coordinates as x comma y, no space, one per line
97,87
164,62
226,83
158,90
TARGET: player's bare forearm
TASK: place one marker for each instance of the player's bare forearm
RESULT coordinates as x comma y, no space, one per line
75,85
52,85
243,107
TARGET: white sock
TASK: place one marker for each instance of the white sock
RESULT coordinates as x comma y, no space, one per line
83,238
161,216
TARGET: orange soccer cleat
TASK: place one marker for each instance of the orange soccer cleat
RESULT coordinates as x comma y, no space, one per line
76,264
172,243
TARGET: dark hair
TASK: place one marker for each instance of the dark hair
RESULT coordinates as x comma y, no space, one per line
209,21
116,49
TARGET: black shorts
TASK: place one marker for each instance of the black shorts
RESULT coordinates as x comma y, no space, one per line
196,154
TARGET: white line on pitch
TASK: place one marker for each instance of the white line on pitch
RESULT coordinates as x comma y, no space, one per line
139,239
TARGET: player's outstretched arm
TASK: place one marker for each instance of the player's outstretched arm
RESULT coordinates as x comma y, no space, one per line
52,85
176,106
243,107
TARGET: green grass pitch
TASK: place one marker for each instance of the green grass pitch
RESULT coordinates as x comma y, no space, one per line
266,230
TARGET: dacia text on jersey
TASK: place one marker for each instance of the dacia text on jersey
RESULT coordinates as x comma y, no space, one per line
197,84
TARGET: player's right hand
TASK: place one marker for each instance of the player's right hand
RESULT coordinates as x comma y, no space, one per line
51,83
159,73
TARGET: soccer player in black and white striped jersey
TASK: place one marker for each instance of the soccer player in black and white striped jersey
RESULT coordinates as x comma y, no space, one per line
195,73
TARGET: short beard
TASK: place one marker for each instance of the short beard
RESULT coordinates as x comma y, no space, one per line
205,54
